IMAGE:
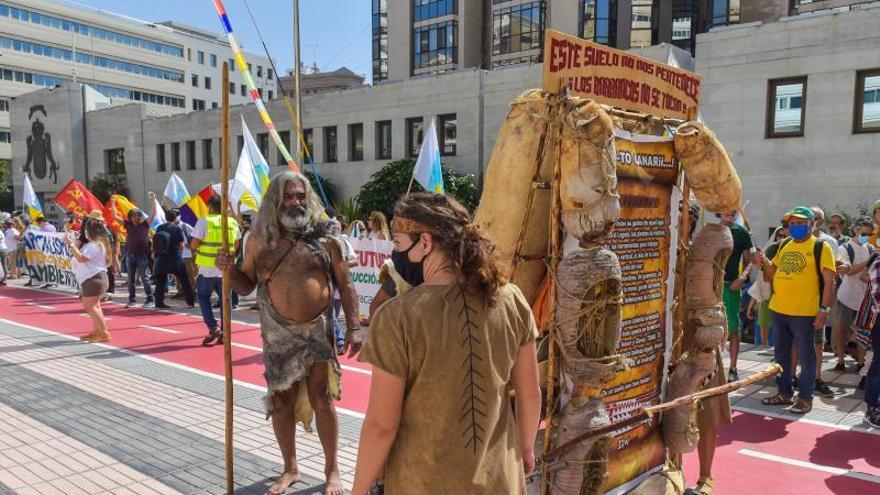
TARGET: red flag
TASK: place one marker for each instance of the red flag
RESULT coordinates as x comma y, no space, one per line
75,198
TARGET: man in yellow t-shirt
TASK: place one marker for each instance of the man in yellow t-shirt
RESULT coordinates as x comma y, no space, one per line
803,293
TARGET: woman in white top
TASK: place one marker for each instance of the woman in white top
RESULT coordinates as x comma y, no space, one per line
12,237
90,270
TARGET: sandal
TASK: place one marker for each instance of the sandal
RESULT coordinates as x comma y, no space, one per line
803,406
704,486
778,400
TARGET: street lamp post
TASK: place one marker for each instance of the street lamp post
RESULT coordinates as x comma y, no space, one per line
297,77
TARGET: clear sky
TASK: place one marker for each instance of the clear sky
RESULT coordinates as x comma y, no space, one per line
334,33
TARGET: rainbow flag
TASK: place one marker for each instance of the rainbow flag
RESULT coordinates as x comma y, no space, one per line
240,61
196,207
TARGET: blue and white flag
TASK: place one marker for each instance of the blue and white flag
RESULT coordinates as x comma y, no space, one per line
176,191
253,169
159,217
428,171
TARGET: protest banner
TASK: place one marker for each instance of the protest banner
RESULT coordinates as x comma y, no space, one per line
48,259
647,174
371,255
618,78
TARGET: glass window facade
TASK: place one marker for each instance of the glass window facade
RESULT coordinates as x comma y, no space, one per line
599,21
175,156
285,138
4,105
88,59
435,45
684,24
207,154
207,82
5,137
198,104
355,142
213,60
518,29
330,144
309,138
725,12
114,161
383,140
448,134
415,132
642,22
25,15
380,40
263,144
112,91
867,111
786,102
160,157
429,9
200,58
190,155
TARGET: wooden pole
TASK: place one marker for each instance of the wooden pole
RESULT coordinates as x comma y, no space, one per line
650,411
226,309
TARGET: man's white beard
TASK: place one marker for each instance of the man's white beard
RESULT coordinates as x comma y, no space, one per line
295,219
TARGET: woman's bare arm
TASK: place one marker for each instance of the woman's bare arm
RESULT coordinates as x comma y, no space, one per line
379,430
528,402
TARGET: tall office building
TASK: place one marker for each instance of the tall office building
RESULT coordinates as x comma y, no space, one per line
171,67
416,37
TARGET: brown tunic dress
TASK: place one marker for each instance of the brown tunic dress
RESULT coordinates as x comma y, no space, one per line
457,431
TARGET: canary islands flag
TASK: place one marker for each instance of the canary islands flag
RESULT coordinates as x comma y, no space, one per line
176,191
428,171
30,200
253,170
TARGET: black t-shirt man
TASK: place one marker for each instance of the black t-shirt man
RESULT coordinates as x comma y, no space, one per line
175,234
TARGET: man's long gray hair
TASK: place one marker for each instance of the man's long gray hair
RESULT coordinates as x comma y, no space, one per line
270,222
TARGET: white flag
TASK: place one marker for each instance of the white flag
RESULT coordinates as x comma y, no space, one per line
30,200
253,170
159,217
428,171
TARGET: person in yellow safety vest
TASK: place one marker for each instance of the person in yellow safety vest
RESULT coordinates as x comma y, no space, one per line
205,244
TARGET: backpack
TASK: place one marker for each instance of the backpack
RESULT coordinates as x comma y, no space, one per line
161,242
852,252
817,257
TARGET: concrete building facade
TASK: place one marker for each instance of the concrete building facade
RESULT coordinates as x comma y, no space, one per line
412,38
170,67
797,105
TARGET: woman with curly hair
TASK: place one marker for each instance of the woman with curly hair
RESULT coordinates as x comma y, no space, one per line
378,226
445,356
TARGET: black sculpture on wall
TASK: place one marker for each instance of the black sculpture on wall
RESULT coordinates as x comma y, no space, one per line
39,149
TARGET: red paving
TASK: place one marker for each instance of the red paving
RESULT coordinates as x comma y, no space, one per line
735,472
64,314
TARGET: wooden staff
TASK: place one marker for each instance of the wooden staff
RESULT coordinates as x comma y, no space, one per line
682,247
226,309
651,411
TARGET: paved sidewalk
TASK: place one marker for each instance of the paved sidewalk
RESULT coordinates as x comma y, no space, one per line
79,418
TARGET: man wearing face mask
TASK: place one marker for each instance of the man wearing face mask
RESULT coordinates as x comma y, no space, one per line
802,274
852,289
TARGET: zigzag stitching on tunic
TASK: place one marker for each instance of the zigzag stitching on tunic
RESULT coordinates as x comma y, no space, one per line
472,404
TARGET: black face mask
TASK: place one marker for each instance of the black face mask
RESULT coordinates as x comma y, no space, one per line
410,271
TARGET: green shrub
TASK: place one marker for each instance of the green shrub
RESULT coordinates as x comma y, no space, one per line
389,184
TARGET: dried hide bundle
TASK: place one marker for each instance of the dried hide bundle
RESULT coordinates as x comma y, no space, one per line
707,167
588,182
586,470
515,171
589,292
666,482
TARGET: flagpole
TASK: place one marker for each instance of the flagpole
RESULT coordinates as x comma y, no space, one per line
226,310
297,76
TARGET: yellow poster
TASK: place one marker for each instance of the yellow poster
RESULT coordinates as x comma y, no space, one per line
618,78
647,173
